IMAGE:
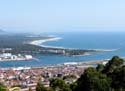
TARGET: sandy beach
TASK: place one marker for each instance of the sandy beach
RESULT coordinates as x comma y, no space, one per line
41,41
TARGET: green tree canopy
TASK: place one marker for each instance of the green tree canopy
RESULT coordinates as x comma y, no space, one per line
59,85
114,63
118,79
92,80
100,67
2,87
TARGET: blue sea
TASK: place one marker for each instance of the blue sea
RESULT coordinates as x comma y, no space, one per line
83,40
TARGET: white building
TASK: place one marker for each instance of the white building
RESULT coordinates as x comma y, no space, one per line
28,57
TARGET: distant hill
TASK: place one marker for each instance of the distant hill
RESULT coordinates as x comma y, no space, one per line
1,31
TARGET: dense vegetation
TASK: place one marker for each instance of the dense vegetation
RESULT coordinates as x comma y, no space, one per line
19,43
110,77
2,87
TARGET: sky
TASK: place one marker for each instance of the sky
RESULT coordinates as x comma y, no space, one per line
62,15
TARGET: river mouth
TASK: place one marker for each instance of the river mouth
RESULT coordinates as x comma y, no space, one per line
71,52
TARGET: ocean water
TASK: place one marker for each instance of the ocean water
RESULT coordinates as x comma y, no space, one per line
83,40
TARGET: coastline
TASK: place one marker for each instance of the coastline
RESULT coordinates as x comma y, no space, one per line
41,41
73,51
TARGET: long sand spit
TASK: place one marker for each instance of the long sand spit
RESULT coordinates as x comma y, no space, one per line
41,41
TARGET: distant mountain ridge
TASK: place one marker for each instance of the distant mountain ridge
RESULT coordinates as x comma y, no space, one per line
1,31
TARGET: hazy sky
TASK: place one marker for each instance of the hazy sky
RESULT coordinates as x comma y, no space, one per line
62,15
